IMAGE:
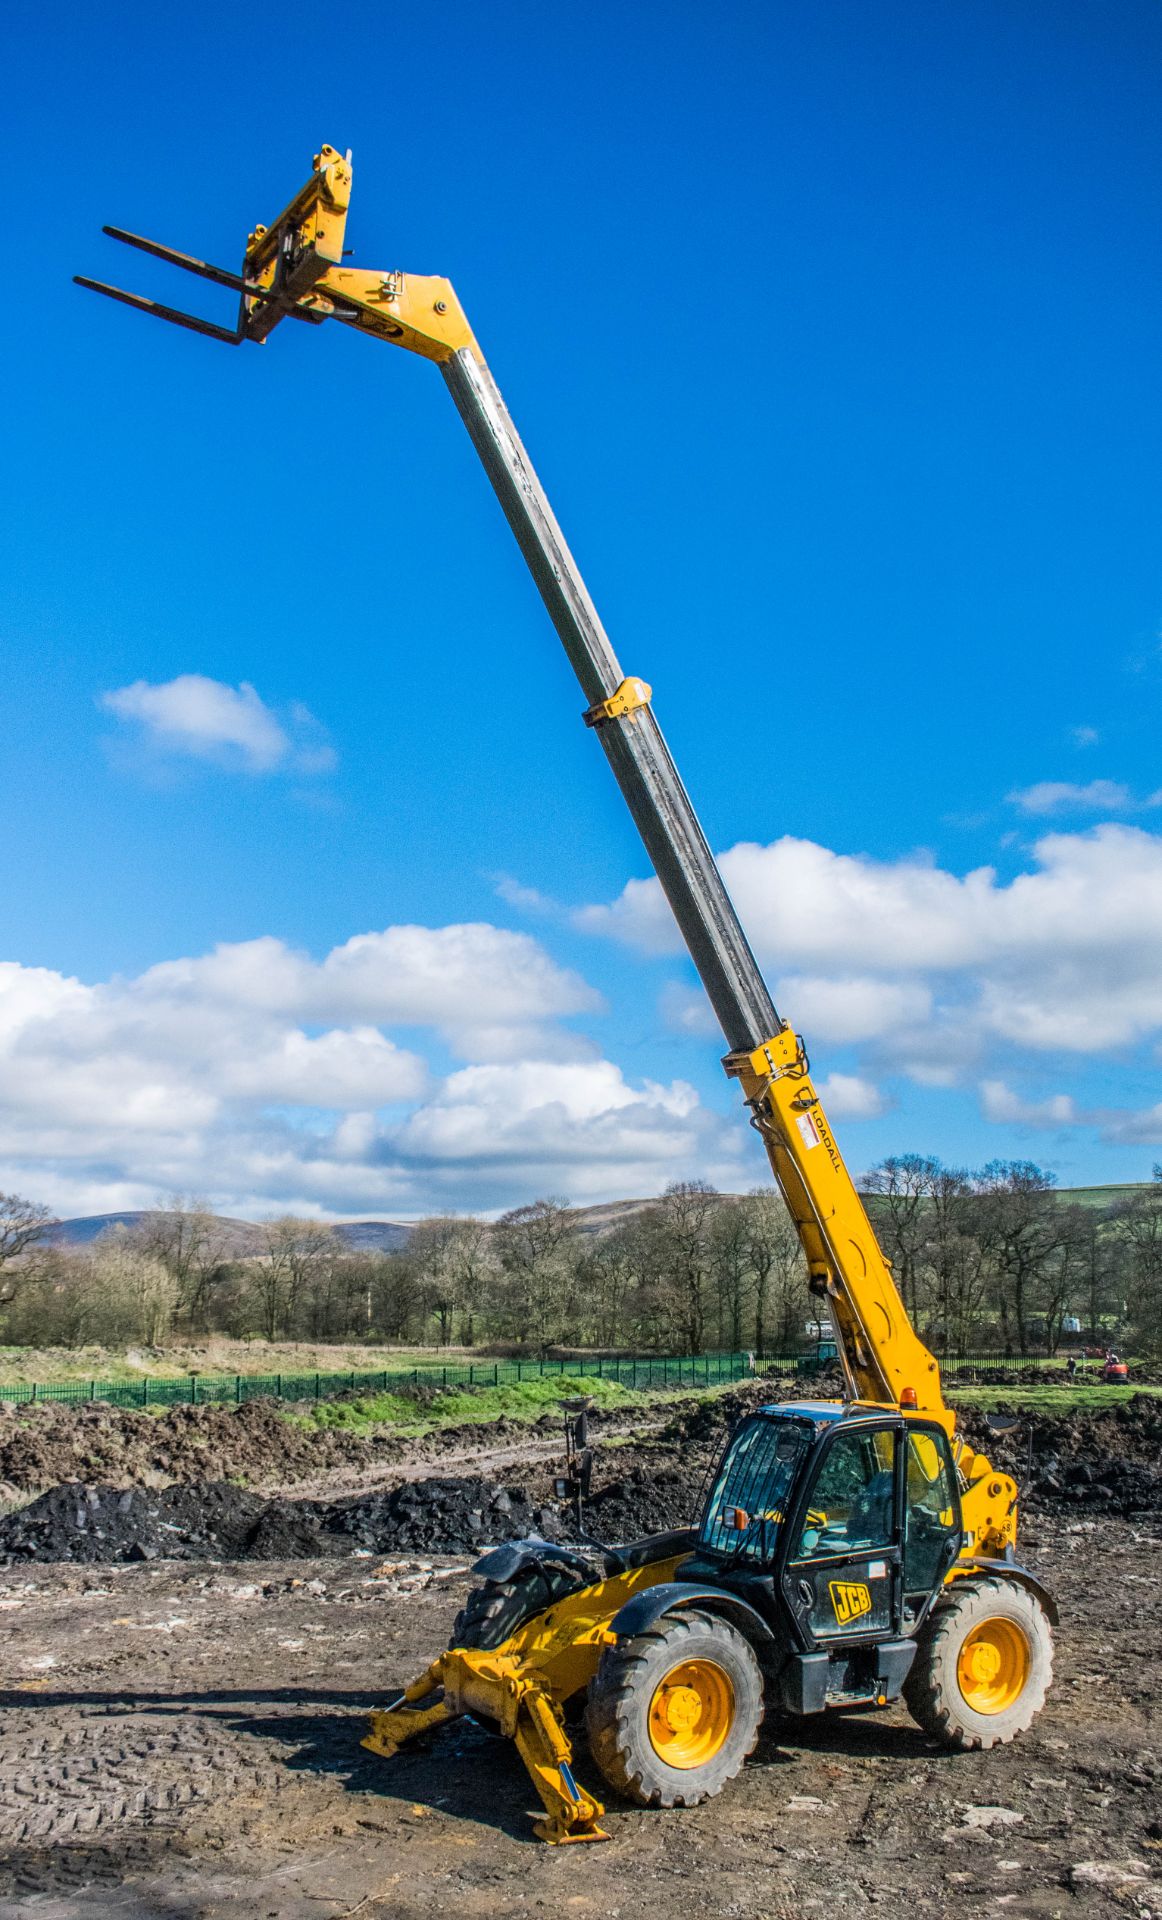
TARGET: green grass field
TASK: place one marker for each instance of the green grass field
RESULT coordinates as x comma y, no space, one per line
22,1365
525,1401
1101,1196
1045,1399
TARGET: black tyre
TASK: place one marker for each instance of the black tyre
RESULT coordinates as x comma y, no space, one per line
673,1714
983,1665
494,1610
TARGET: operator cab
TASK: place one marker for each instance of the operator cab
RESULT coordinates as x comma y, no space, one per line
838,1523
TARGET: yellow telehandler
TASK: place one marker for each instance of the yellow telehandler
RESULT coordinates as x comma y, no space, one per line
847,1553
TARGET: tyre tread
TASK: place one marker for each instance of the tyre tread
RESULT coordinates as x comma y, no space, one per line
931,1693
615,1701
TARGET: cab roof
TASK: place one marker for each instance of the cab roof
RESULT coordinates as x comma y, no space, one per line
819,1412
825,1413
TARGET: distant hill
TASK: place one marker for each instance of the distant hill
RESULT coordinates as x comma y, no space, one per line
1101,1196
241,1237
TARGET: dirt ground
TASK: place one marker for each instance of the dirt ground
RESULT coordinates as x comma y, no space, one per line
182,1736
184,1741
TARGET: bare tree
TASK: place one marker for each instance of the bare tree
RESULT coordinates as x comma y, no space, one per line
475,1265
685,1210
651,1305
57,1304
450,1255
728,1246
23,1223
135,1290
393,1291
606,1269
953,1258
295,1252
1020,1230
1137,1225
186,1236
533,1244
900,1189
778,1266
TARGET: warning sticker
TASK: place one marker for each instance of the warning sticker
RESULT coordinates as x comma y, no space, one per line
808,1129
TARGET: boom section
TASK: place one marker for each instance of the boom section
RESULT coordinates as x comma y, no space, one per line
881,1354
620,714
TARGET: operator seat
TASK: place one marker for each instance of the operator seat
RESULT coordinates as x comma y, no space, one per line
869,1522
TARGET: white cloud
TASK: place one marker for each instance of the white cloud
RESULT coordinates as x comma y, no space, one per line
193,717
1084,736
1128,1128
1118,1126
1000,1104
580,1128
846,1096
838,1011
687,1010
269,1079
490,993
1096,796
929,967
530,900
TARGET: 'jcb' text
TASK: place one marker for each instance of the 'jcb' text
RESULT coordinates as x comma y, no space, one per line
849,1598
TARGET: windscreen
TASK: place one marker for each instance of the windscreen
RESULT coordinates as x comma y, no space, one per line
752,1488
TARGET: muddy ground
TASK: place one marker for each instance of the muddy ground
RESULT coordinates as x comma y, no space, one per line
182,1737
183,1741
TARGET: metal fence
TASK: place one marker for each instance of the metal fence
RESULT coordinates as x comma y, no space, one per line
985,1366
198,1389
703,1370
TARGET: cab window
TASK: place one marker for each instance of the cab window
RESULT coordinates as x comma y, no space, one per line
753,1488
850,1507
933,1513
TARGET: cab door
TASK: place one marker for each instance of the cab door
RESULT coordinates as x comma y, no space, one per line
932,1527
842,1574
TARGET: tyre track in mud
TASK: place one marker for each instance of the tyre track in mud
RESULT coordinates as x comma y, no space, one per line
183,1741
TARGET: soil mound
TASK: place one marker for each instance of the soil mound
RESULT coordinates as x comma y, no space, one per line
437,1516
644,1502
103,1524
46,1444
1110,1460
218,1521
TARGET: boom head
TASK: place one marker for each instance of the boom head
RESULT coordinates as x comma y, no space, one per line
294,269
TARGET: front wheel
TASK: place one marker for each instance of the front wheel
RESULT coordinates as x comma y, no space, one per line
983,1665
673,1714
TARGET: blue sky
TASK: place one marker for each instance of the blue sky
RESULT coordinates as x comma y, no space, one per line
833,333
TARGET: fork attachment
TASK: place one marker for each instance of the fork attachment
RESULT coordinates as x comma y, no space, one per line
466,1680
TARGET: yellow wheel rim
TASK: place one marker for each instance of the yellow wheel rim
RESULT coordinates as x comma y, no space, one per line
993,1666
691,1713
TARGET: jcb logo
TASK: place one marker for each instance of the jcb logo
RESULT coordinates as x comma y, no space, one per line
850,1598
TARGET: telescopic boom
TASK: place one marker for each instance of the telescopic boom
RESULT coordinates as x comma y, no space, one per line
294,269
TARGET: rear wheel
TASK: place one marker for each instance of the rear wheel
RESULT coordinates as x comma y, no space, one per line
494,1610
983,1665
673,1714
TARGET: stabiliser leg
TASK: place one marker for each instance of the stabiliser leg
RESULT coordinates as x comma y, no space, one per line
543,1745
465,1681
409,1718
